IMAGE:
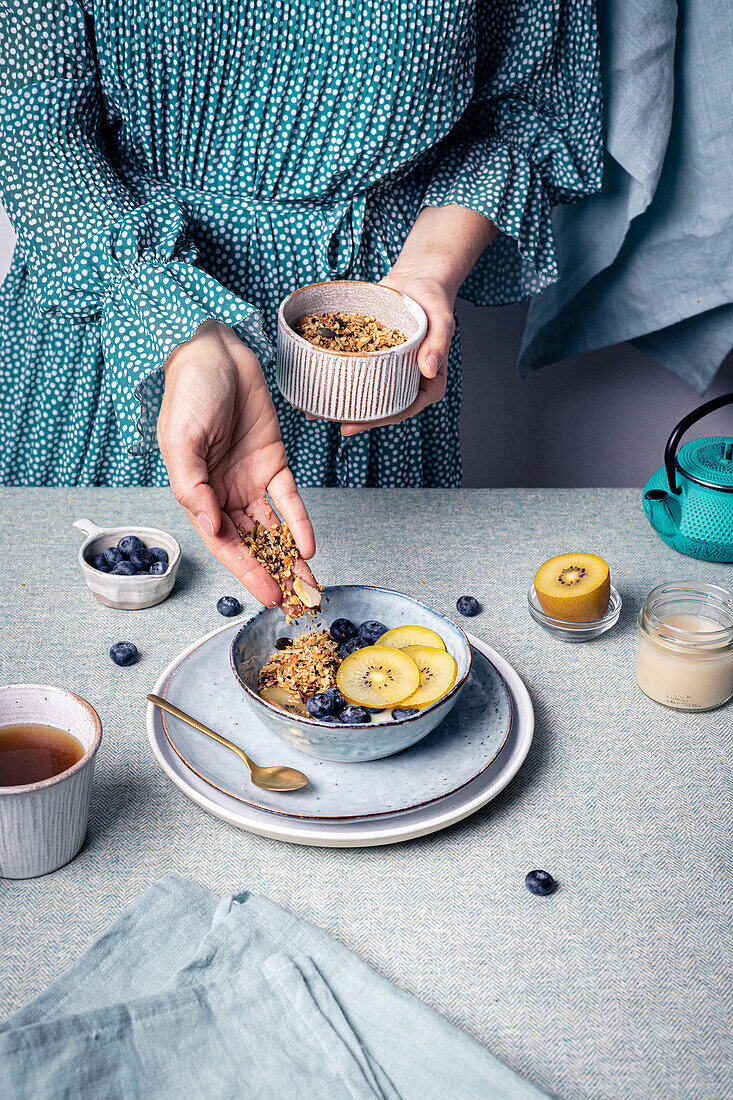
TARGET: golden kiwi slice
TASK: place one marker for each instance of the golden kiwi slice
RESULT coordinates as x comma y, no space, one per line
377,676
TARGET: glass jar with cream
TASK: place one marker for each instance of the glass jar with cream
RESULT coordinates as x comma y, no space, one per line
685,656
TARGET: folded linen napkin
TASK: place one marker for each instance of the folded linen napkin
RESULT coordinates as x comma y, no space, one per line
189,994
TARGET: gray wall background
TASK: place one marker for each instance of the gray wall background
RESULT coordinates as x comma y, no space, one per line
596,419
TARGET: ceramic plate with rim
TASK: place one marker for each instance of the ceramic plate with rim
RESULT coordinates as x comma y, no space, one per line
351,832
462,746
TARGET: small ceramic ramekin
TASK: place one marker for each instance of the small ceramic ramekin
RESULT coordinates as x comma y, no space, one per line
339,385
126,593
43,825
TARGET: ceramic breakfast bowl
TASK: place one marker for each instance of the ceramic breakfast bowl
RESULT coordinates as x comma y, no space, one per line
255,642
343,386
126,593
43,825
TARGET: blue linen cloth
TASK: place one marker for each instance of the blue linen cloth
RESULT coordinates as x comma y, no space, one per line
189,994
648,259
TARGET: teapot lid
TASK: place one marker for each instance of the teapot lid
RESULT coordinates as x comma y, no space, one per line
708,461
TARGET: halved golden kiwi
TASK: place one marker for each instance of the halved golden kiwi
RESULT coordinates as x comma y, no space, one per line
438,673
377,676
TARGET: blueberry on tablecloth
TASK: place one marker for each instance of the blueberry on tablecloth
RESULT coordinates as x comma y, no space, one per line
228,606
468,606
124,653
540,883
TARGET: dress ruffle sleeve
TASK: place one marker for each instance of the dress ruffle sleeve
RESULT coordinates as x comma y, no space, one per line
93,254
531,137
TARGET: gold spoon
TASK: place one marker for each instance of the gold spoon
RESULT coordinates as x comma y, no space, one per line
277,778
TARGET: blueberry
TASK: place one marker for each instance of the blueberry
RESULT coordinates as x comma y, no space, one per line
228,606
123,653
141,558
100,562
352,716
283,643
337,699
468,606
341,630
159,554
405,713
128,543
350,646
124,569
319,705
540,882
113,556
371,631
158,568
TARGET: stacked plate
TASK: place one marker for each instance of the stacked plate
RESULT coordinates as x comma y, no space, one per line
458,768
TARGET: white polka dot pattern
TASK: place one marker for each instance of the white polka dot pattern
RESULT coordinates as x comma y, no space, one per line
168,162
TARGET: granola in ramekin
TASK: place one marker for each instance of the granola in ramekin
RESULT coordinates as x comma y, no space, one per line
350,332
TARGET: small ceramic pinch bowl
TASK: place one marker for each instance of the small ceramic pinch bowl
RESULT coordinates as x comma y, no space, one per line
126,593
43,825
340,385
255,642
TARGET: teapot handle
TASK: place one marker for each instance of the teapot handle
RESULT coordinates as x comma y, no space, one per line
670,451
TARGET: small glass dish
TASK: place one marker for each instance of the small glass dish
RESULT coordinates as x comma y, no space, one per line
576,632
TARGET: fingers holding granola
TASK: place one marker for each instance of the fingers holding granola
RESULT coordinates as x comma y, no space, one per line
271,544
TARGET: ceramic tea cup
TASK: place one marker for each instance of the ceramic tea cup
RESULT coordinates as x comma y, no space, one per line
43,824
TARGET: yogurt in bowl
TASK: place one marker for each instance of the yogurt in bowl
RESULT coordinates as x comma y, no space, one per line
255,641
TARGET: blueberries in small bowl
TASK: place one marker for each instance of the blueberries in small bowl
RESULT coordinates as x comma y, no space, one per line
158,568
141,558
112,556
468,606
159,554
124,569
128,543
540,882
341,630
371,631
124,653
100,562
228,606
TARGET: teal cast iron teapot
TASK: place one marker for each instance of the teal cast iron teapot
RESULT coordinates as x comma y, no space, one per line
689,501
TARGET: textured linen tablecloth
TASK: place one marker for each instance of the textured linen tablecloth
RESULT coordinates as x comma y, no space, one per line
618,985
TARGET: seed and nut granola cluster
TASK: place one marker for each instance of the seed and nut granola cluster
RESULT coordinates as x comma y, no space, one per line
354,332
274,548
307,666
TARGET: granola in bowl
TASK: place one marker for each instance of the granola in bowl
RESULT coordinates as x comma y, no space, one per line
356,333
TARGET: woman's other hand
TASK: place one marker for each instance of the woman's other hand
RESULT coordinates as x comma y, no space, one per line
220,441
442,247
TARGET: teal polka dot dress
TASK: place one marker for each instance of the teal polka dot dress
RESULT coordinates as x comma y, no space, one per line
168,161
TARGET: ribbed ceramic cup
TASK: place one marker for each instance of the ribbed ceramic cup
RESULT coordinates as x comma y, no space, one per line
43,825
339,385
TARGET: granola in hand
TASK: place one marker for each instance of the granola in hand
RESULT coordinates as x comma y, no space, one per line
275,550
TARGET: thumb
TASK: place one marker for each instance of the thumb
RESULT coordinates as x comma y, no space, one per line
433,353
188,476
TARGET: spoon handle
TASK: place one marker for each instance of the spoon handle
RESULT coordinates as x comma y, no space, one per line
170,708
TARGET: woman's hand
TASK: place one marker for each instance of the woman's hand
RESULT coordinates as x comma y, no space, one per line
442,247
220,440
